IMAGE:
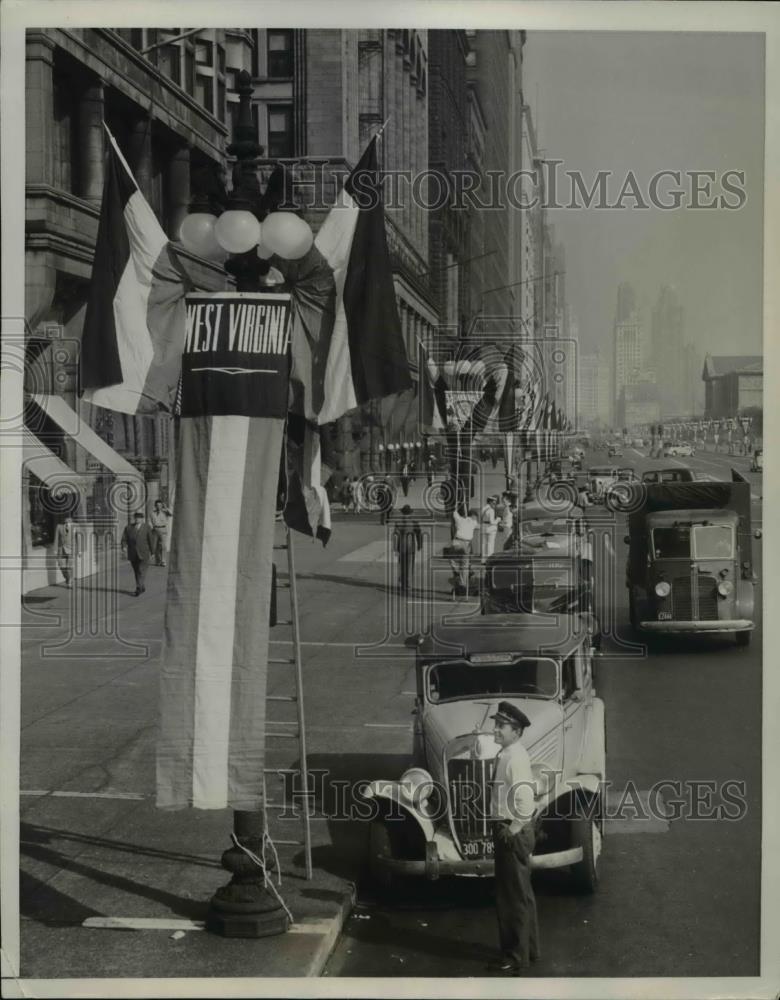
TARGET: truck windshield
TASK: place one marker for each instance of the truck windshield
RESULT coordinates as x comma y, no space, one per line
672,543
713,541
534,677
698,541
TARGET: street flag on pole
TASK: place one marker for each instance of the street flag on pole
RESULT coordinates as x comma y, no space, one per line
347,345
366,356
133,329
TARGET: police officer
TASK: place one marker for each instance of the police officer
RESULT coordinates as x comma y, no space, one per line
513,844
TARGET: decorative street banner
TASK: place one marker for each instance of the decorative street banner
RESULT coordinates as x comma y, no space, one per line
235,359
234,391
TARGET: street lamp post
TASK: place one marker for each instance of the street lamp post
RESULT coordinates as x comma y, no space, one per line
245,907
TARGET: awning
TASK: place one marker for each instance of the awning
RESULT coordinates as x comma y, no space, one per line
78,429
47,467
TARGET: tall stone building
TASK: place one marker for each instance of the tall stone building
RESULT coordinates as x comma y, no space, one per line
320,95
628,340
164,96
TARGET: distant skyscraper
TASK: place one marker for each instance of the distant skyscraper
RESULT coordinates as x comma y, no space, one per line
668,353
626,302
629,353
593,390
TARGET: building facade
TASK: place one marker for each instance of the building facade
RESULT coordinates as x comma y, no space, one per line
732,384
164,96
629,347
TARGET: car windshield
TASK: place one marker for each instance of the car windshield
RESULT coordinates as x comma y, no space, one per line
533,677
713,541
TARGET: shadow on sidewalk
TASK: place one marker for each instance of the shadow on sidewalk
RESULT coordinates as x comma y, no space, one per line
348,581
40,902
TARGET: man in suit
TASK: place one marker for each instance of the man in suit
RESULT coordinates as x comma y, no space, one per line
407,540
138,545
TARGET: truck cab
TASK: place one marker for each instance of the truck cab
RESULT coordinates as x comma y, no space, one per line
690,563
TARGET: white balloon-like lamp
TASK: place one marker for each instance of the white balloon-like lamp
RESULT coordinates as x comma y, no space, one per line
197,235
287,235
237,230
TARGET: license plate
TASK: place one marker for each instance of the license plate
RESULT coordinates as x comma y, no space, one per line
664,616
477,848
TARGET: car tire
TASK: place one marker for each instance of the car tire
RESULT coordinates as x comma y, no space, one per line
379,846
584,876
743,638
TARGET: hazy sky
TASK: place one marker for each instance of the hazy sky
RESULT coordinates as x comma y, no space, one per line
648,102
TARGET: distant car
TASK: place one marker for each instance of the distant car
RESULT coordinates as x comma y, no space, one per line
601,478
679,451
614,451
668,476
757,465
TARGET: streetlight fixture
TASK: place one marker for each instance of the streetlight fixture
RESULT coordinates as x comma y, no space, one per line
251,235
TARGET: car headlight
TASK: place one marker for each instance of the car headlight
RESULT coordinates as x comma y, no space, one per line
725,587
417,783
663,589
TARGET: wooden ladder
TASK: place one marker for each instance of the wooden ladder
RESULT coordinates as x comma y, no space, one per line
291,730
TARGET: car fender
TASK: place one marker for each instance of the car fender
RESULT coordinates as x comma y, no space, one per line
593,760
395,792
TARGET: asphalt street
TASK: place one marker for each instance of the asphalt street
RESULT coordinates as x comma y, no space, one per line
677,897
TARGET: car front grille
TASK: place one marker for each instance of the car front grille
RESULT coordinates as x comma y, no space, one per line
469,787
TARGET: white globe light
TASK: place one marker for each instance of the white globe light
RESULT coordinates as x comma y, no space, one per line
237,230
197,235
263,252
287,235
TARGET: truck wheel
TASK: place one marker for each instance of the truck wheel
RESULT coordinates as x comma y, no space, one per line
632,617
379,847
584,876
743,638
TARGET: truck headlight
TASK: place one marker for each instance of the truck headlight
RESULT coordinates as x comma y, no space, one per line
663,588
725,587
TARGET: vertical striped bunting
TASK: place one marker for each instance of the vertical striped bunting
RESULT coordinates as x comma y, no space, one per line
215,656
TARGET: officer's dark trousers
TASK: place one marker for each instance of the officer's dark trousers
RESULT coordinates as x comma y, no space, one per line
405,570
518,929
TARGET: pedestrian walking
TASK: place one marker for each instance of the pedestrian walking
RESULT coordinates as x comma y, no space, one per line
64,548
429,469
513,843
354,495
138,545
460,548
489,526
506,515
159,519
407,542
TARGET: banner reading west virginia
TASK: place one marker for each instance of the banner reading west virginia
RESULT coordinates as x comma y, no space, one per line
233,405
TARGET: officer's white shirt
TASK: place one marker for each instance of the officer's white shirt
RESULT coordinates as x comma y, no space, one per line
513,786
489,519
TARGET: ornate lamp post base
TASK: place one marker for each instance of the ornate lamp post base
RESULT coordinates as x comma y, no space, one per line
245,907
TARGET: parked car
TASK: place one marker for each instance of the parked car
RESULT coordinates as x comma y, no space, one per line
546,568
614,451
679,475
690,566
757,464
435,820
